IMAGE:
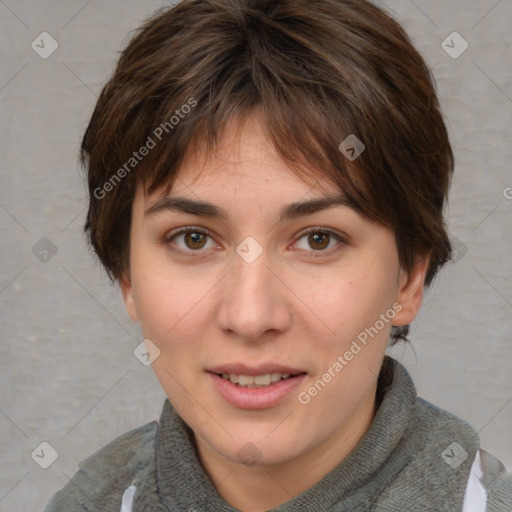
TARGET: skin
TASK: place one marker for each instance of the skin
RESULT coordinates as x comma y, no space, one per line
301,303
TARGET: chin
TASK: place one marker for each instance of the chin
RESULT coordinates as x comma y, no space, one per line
251,450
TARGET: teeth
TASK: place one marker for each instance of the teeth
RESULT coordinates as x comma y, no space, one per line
258,381
275,377
245,380
263,380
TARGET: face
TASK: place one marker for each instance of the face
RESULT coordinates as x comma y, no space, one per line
247,290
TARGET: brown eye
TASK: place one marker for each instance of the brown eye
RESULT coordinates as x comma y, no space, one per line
195,240
189,240
318,240
321,241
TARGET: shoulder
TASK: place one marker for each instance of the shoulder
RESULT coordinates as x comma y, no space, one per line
432,419
102,478
455,465
435,456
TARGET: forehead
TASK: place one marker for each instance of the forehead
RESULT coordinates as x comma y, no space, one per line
244,174
243,159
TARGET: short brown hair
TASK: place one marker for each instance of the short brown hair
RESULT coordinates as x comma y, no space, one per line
318,71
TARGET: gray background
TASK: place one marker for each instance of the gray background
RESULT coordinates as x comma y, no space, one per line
67,371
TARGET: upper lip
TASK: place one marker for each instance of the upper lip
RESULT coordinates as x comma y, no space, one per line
261,369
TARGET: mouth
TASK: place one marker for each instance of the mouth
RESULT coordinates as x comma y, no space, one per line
255,387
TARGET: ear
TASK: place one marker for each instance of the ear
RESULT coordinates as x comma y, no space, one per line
127,291
410,292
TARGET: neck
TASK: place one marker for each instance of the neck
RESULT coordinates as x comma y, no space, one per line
241,486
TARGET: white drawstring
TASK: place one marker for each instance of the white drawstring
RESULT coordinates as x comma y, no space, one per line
127,503
476,494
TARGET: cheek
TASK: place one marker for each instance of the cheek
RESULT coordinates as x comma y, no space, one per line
153,300
165,307
172,306
348,301
169,309
354,337
161,295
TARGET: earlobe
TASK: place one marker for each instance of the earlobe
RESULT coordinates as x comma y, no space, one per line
410,293
128,296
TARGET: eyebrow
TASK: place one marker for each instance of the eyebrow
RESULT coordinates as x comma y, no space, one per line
289,211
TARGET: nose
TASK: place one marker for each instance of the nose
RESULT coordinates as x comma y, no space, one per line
255,305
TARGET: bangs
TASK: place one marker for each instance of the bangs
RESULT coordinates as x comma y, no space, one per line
305,145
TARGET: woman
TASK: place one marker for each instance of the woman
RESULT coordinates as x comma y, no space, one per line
267,184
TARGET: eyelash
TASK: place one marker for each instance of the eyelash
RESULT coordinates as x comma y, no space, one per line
193,229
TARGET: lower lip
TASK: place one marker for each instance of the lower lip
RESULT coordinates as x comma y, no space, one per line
256,398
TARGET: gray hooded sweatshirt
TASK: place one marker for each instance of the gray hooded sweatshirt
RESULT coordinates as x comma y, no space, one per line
414,457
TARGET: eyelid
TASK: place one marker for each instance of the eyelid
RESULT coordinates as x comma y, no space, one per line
323,229
186,229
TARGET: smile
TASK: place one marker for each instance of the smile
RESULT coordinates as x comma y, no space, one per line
261,391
